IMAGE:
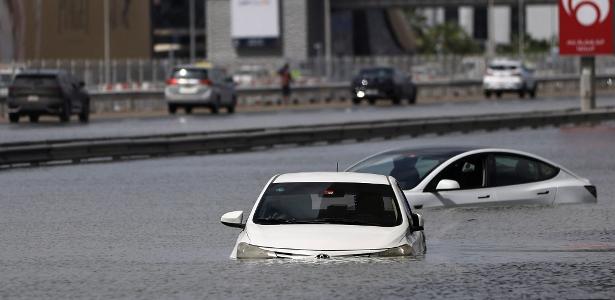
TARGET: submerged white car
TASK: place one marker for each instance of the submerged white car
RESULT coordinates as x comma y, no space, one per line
323,215
464,176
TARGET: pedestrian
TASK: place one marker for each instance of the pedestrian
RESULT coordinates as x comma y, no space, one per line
286,79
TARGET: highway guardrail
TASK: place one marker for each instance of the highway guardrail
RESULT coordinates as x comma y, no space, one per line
97,149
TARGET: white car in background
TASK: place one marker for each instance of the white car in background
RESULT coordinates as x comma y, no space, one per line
467,176
200,85
327,214
509,76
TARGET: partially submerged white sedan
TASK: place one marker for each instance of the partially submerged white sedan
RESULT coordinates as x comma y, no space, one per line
465,176
326,214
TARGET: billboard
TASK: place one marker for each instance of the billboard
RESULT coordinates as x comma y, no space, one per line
585,27
255,21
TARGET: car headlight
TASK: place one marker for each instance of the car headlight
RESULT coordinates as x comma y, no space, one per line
245,250
403,250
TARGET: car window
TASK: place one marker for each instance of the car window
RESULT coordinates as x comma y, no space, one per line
515,169
35,80
328,202
468,171
190,73
408,168
377,73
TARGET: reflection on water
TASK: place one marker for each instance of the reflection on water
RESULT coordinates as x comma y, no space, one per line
150,229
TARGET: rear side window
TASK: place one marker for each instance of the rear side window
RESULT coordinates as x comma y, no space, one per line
377,73
190,73
515,169
35,80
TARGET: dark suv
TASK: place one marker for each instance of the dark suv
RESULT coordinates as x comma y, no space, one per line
383,83
47,92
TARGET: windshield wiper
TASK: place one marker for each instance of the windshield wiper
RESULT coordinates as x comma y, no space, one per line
275,221
346,221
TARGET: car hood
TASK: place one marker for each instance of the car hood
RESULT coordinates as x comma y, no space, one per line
325,237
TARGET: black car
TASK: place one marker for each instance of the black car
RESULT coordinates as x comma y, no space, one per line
47,92
383,83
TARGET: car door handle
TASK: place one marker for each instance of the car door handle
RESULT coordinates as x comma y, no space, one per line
484,197
543,193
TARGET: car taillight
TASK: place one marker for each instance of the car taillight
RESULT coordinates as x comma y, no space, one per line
172,81
205,81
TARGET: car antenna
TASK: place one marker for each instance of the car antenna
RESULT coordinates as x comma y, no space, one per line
337,166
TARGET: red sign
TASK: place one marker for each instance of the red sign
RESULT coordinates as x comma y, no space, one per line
585,27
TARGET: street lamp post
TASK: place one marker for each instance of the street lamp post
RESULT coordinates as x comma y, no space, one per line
107,41
327,4
490,30
192,31
521,24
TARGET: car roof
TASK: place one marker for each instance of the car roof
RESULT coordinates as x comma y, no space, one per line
349,177
41,72
376,68
505,62
431,150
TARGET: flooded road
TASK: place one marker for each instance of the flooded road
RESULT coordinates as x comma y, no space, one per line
150,229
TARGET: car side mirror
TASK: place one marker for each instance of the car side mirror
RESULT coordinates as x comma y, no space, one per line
233,219
447,185
417,222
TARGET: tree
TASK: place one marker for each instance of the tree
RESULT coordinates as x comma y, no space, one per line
447,38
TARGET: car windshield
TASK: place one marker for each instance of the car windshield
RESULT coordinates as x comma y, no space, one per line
328,203
35,80
503,67
408,168
376,73
189,73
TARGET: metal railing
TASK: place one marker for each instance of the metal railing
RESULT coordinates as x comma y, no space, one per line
147,74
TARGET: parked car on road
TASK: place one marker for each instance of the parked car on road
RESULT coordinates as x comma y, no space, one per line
470,176
509,76
374,84
322,215
201,85
34,93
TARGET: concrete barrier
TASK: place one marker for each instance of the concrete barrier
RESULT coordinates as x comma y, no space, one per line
83,150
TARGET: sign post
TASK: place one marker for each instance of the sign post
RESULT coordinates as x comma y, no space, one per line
586,30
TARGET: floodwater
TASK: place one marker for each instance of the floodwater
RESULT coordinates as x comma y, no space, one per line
150,229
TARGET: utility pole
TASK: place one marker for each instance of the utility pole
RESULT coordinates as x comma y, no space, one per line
192,31
204,29
107,37
521,24
587,85
490,30
327,4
